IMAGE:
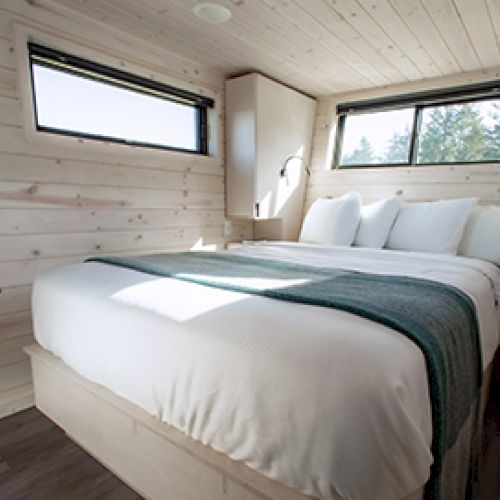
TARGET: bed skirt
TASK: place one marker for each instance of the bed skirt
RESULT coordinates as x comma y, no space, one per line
159,462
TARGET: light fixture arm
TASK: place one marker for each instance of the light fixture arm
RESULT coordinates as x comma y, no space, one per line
283,171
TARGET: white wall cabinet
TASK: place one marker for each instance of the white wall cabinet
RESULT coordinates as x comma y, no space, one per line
266,123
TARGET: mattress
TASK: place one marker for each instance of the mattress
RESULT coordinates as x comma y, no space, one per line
329,403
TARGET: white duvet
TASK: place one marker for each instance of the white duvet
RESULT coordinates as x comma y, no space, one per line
324,401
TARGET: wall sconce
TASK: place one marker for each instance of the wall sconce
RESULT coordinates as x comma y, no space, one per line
283,171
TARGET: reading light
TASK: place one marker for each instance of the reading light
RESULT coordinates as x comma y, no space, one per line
213,13
294,157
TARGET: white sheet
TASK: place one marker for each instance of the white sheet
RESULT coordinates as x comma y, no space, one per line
326,402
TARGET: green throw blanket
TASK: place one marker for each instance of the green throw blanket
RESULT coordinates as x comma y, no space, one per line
440,319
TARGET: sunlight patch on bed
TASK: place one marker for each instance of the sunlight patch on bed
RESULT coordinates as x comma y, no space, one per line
174,299
246,282
181,300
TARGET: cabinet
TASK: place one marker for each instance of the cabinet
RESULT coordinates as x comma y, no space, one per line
266,123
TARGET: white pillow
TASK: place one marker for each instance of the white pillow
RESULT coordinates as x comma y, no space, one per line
431,226
376,222
482,234
332,221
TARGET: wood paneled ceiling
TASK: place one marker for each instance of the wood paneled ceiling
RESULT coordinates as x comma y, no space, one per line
320,46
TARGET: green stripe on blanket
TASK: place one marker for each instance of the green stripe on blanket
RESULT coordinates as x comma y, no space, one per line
440,319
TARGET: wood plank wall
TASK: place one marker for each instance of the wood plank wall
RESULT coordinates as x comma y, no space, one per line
413,184
61,201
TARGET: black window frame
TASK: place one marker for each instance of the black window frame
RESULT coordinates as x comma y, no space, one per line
419,101
84,68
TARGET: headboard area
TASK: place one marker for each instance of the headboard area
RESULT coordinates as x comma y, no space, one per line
413,183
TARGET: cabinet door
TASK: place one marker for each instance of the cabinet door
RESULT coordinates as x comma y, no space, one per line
240,145
285,121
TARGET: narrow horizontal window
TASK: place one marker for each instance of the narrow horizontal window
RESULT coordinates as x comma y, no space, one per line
460,125
80,98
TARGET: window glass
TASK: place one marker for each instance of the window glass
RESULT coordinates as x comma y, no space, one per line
71,103
460,133
377,138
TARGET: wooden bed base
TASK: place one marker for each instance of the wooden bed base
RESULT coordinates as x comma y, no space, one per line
153,458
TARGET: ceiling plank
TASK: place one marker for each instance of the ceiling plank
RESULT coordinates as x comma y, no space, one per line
480,29
258,23
302,20
414,15
235,34
494,12
338,26
448,22
270,35
374,34
385,15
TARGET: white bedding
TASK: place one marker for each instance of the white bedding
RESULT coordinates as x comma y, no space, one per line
324,401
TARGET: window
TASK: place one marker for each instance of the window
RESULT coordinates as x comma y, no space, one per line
454,126
460,133
76,97
372,138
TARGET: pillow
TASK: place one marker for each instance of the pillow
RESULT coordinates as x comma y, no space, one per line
482,235
376,222
332,221
431,226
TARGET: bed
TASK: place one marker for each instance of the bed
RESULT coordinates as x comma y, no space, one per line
205,392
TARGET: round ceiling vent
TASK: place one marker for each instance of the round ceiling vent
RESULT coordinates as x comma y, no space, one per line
212,12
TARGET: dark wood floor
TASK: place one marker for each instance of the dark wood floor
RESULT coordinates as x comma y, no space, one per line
488,487
38,461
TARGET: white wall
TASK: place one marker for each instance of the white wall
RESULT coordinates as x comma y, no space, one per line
62,199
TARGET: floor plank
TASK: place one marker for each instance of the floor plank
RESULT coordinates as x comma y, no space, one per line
488,487
38,461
